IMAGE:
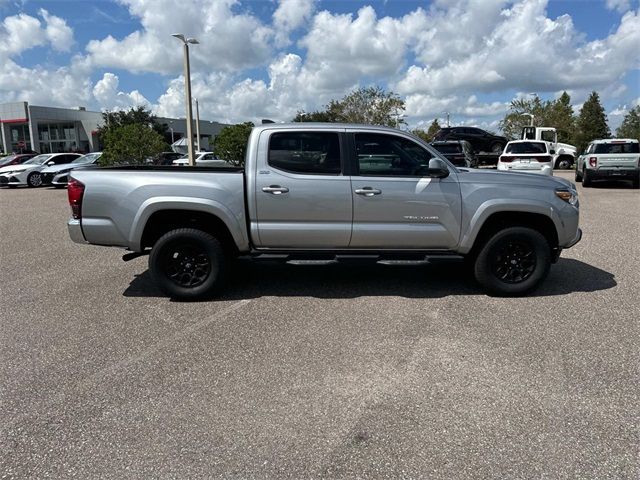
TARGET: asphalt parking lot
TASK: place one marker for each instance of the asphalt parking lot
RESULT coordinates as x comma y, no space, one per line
306,372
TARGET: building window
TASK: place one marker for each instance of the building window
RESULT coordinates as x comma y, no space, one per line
19,137
57,137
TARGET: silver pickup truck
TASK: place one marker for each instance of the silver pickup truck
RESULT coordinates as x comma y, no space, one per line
327,192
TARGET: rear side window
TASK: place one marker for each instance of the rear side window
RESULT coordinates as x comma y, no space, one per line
389,155
617,147
526,147
316,153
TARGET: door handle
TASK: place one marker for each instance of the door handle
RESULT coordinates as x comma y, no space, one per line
368,191
275,189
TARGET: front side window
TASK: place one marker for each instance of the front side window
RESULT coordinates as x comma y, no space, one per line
389,155
316,153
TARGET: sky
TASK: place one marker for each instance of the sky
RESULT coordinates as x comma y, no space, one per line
271,58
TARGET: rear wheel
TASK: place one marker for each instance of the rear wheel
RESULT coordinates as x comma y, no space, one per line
586,179
34,179
564,163
513,261
636,181
188,264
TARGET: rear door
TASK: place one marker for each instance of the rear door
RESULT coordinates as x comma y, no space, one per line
394,206
303,197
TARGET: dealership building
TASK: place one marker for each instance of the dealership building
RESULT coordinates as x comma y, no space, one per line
50,129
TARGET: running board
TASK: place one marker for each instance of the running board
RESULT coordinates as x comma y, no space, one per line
396,259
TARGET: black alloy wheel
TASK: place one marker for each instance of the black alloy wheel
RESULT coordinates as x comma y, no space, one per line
513,261
188,264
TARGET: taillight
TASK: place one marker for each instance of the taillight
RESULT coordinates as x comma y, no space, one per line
593,162
506,159
75,190
541,159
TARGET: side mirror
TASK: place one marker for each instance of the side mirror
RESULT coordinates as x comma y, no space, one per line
437,169
552,151
51,163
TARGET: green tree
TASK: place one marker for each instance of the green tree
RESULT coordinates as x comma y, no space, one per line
430,133
131,144
519,113
316,116
135,115
592,122
560,115
231,143
368,105
630,127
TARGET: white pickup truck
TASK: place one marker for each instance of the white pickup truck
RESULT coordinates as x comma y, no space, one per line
563,154
611,159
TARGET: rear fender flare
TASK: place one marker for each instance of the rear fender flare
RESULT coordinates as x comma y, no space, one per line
156,204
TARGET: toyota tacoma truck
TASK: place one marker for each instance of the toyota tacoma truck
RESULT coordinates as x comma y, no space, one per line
327,192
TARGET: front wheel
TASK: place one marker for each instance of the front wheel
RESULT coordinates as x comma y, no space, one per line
34,179
564,163
513,261
188,264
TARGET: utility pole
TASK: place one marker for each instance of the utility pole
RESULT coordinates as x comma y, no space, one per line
187,91
447,119
198,124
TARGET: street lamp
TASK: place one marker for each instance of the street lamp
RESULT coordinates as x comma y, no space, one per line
529,115
171,128
187,91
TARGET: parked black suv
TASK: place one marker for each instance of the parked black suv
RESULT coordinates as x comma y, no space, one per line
480,140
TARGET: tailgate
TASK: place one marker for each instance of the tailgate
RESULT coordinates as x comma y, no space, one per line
618,160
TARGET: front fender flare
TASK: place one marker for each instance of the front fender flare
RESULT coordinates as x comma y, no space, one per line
493,206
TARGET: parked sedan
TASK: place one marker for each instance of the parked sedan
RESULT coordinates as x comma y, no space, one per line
458,152
58,175
15,159
202,159
29,173
480,140
527,156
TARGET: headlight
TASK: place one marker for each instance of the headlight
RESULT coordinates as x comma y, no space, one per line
7,173
568,195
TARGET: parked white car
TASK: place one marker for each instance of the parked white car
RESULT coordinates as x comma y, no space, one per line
30,172
58,175
527,156
202,159
610,159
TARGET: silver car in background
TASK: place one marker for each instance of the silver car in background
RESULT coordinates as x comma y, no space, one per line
58,175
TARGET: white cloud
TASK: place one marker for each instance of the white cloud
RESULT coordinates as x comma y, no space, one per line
619,5
105,91
289,16
57,32
228,41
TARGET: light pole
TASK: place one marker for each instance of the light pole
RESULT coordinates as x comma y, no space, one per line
529,115
187,91
447,113
171,128
198,124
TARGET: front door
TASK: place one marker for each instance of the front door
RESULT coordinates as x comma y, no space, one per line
394,206
303,200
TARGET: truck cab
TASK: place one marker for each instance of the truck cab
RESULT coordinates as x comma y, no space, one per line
564,155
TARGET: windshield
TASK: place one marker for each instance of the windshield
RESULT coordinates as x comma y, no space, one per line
89,158
526,147
39,160
618,147
6,160
449,148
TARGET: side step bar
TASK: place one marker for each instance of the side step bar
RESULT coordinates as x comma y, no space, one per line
398,259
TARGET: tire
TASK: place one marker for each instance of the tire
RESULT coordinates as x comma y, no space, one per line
578,177
586,179
188,264
497,148
34,179
564,163
513,261
636,181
